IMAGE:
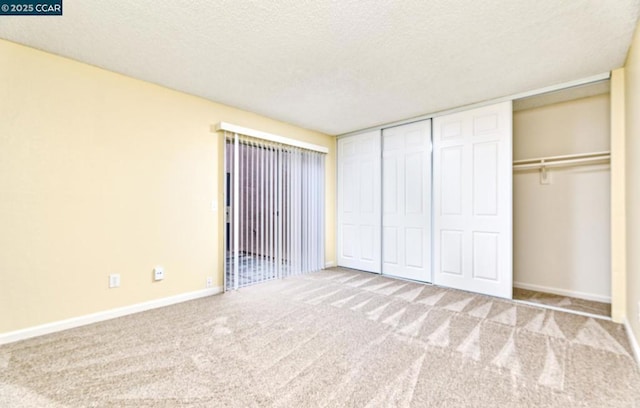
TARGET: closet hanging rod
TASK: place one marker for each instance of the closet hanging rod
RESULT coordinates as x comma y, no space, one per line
565,160
566,156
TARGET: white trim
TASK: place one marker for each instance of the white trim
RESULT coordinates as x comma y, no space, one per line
562,309
563,292
329,264
565,85
224,126
61,325
633,340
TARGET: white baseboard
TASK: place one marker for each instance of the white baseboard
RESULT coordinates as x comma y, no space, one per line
53,327
633,340
563,292
329,264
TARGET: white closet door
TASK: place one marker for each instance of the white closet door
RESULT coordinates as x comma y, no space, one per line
406,201
473,200
359,218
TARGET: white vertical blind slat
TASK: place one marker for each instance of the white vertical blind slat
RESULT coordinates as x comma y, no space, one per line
297,213
279,216
315,211
262,213
289,215
254,206
243,206
312,202
269,213
309,234
249,202
322,211
236,212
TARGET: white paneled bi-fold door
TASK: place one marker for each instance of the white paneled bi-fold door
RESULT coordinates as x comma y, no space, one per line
473,200
406,201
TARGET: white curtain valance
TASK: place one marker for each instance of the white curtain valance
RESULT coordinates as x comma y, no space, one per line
228,127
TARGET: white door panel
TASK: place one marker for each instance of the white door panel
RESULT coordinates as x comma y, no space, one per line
473,200
359,216
406,198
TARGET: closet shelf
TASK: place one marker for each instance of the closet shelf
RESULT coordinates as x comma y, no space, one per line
566,160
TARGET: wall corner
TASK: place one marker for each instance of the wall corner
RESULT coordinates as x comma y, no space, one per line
618,197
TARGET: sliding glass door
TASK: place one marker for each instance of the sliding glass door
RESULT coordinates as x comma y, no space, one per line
275,211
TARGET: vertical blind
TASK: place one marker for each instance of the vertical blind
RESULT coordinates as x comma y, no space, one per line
275,210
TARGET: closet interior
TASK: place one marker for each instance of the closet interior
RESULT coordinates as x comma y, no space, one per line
561,199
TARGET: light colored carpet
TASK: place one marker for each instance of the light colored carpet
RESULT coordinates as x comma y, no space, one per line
335,338
563,302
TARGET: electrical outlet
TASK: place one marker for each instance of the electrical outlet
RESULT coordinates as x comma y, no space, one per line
114,280
158,273
209,281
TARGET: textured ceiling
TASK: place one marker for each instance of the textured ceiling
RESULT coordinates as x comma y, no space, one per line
342,65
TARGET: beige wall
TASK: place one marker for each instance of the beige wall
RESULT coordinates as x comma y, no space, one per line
632,117
100,174
578,126
562,230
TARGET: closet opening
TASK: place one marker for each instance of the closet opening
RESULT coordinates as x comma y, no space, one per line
562,199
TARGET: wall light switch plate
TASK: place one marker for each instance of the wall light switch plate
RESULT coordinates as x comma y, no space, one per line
158,273
114,280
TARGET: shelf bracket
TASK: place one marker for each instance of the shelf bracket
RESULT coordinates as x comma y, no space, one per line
545,177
